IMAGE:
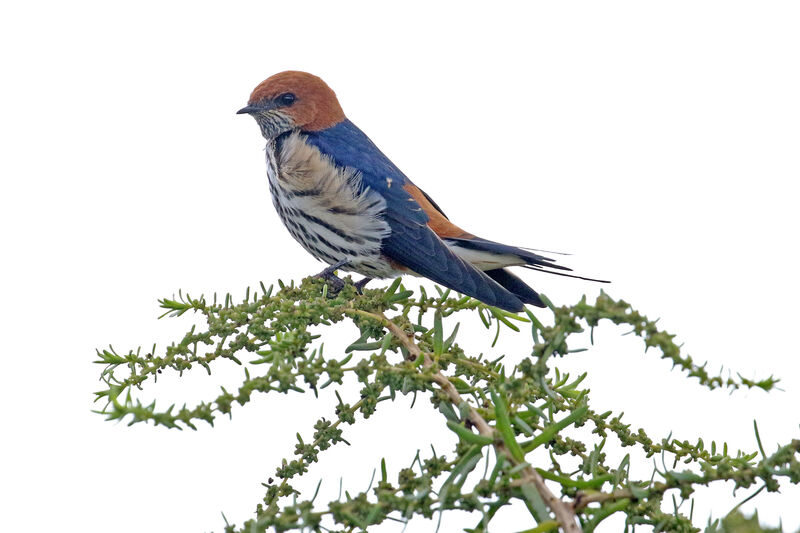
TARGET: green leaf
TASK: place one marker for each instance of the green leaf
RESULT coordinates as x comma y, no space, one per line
535,503
504,426
448,343
467,435
438,334
553,429
391,289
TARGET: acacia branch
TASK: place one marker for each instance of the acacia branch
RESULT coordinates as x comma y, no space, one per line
276,328
564,512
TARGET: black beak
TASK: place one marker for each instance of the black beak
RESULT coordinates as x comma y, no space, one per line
247,110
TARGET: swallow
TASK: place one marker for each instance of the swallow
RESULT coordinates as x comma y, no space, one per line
349,206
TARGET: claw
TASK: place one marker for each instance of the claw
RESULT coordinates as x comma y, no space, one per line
329,275
360,284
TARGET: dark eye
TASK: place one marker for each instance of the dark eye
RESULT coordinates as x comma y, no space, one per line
287,99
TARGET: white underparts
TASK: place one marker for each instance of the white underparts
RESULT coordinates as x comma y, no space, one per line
483,260
325,209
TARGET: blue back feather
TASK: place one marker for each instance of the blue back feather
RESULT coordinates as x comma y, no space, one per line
411,242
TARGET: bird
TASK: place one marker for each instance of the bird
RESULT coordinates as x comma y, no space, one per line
351,207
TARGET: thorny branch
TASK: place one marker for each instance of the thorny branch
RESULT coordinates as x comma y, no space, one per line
526,406
563,512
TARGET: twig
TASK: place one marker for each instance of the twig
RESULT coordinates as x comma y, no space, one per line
563,512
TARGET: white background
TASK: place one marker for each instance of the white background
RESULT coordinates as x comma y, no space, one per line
656,142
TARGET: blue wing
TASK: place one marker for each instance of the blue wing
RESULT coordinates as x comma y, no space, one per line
411,242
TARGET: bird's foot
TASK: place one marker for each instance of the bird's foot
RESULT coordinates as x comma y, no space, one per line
360,284
335,283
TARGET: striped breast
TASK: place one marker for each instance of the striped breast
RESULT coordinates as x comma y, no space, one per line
325,208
